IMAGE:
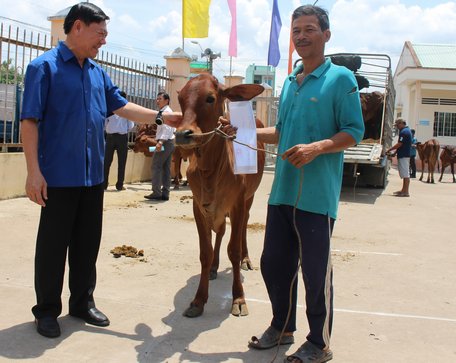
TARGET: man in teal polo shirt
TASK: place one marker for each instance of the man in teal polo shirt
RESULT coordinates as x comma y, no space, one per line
319,116
66,99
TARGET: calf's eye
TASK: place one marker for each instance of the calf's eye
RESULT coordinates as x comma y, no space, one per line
210,99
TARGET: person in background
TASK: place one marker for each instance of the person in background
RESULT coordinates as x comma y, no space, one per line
66,99
319,117
161,161
413,155
116,129
402,147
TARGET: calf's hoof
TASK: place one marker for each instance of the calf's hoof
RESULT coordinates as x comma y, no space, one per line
193,311
239,309
212,274
246,264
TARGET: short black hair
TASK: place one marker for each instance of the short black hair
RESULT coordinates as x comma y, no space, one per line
164,94
88,13
320,13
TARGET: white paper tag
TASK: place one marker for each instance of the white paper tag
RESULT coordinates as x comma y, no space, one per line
241,116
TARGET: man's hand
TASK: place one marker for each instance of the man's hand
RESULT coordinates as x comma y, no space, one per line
158,147
301,154
227,127
36,188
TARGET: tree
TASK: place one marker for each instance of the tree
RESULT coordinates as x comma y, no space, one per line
8,72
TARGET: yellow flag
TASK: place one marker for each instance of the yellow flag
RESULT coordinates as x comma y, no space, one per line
195,18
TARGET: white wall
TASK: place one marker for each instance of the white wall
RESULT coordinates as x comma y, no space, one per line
13,172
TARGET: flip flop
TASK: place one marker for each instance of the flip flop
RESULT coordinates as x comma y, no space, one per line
402,195
270,339
309,352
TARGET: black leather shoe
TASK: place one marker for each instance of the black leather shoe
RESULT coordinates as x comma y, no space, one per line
153,197
93,317
164,197
48,327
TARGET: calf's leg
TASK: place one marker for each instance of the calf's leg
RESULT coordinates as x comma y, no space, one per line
238,226
196,307
216,259
246,264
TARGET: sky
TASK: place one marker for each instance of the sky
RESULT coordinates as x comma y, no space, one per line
147,30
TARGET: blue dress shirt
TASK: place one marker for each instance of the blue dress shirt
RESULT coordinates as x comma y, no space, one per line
70,103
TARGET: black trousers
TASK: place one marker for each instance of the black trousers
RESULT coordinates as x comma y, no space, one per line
119,143
71,221
412,167
279,262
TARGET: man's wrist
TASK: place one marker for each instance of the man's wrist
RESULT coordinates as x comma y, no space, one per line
159,118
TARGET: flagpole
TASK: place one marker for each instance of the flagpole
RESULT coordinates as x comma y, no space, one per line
231,65
183,24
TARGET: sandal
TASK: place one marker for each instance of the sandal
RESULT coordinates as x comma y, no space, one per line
269,339
310,353
402,195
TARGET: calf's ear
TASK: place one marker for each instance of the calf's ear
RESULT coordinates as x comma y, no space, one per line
243,92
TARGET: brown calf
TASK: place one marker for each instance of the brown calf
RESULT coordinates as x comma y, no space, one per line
428,153
217,192
448,157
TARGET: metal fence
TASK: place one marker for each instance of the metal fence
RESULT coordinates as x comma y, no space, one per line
141,82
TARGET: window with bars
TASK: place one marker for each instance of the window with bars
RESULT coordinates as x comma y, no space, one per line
444,124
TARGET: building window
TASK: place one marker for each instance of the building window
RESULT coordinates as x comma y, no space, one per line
444,124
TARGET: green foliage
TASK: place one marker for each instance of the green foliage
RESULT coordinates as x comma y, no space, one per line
8,73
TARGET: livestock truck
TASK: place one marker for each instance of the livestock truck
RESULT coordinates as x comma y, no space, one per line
367,164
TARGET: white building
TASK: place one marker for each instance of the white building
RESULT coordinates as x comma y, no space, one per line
425,83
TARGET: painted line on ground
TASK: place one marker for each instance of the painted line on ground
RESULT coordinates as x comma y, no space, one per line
368,252
395,315
422,317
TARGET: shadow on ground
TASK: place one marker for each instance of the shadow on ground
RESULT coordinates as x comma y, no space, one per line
363,195
184,331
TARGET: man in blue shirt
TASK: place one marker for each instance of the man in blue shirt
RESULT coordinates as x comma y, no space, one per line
67,97
413,155
403,147
319,116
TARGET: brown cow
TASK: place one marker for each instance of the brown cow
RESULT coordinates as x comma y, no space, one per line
217,191
429,153
179,155
372,108
145,137
448,157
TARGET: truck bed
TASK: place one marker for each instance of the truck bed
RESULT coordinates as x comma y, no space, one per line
363,154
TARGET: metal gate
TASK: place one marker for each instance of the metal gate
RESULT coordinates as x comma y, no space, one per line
141,82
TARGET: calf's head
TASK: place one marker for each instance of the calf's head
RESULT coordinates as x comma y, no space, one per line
201,101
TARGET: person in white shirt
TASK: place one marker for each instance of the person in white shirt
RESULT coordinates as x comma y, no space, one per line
117,129
161,161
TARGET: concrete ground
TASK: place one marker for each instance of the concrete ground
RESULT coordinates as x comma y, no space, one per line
394,276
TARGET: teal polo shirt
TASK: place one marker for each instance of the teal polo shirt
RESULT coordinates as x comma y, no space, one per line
327,102
70,103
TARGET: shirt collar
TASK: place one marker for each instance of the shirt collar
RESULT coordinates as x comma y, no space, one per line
316,73
67,54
